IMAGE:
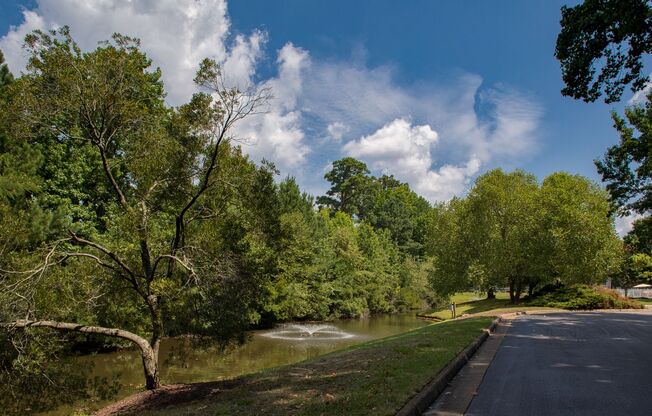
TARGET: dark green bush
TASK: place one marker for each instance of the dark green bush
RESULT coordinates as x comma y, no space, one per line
583,297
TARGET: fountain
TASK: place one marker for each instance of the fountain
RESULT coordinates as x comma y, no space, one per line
304,332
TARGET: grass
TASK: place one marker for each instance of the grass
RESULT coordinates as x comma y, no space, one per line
572,297
375,378
644,301
468,303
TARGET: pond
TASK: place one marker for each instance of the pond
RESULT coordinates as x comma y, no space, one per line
285,344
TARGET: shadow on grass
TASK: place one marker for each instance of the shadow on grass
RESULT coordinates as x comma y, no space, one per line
375,378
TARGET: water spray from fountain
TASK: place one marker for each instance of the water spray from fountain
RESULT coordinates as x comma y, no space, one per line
304,332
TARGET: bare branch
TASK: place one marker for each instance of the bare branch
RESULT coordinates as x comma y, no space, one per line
112,255
185,264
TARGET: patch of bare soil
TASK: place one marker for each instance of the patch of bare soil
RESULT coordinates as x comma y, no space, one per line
166,396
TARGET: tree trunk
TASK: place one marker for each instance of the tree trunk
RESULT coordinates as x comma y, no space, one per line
517,293
530,289
491,294
148,352
151,364
511,291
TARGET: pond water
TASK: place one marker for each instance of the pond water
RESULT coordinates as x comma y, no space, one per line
285,344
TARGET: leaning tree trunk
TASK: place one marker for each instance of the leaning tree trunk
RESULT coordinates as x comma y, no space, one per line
147,351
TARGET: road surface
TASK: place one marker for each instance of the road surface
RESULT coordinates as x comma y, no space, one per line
594,363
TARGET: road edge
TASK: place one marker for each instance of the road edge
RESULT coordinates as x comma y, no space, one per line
422,400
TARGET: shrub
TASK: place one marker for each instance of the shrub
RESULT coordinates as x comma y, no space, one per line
583,297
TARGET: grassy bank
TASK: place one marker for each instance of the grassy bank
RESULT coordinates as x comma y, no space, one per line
576,297
375,378
468,303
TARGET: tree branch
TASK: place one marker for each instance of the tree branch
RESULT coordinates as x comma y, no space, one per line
67,326
74,237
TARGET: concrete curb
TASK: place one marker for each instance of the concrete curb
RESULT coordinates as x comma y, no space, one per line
419,403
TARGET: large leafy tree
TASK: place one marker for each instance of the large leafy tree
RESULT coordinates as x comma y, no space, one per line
349,186
447,243
393,206
161,168
639,239
601,47
627,166
509,231
577,235
503,219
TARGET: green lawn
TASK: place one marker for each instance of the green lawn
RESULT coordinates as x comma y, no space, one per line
644,301
470,303
464,297
375,378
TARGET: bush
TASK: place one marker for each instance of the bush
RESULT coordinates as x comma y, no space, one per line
583,297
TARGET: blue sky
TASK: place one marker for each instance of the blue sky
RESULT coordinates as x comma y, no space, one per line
435,92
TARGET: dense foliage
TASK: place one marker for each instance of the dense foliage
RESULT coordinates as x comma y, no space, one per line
127,220
583,297
627,166
609,36
512,232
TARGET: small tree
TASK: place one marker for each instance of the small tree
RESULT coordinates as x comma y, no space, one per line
159,164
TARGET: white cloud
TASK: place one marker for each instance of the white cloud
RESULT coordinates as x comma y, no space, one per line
625,224
278,135
176,34
436,136
336,130
240,63
404,150
477,127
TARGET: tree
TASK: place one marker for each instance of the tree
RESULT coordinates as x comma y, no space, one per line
503,221
509,231
349,182
627,166
447,245
577,235
639,239
393,206
5,75
611,36
161,167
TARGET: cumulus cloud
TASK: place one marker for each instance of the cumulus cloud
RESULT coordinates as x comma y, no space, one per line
277,135
477,126
436,136
177,35
404,150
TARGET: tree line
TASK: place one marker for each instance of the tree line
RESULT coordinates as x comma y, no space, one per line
512,232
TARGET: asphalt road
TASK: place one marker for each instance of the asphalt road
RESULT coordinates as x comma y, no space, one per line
571,364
